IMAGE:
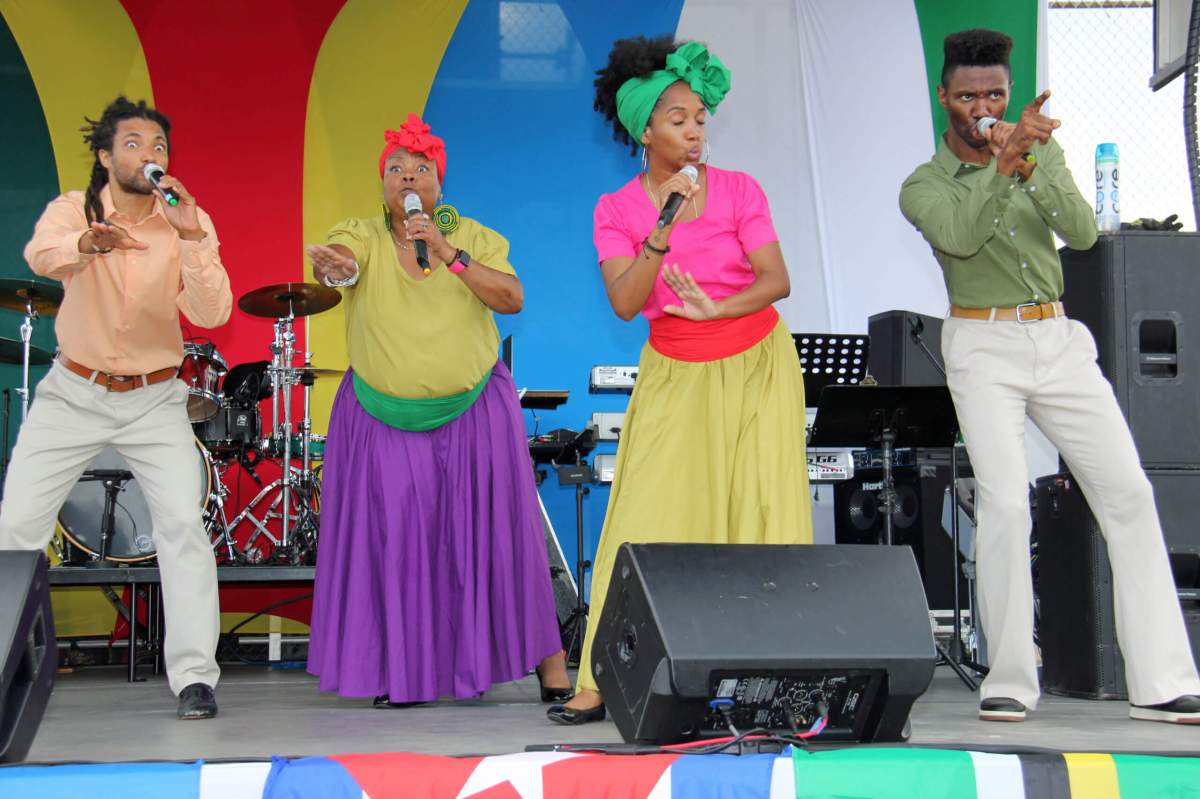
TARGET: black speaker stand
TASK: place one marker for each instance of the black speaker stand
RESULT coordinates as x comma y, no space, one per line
574,627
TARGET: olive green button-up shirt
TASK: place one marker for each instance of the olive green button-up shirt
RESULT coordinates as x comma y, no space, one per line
994,235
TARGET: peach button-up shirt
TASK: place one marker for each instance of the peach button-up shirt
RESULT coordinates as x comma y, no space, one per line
120,313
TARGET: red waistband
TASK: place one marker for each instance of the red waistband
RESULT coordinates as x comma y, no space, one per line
711,340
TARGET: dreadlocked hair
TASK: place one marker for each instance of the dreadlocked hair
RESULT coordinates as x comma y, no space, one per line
634,57
99,134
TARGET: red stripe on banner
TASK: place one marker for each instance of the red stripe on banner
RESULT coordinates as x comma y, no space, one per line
401,775
234,79
601,777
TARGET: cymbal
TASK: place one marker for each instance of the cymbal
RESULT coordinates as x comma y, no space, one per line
14,292
318,372
12,351
282,299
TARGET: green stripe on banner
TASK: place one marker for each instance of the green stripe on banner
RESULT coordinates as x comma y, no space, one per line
1144,775
1017,18
884,774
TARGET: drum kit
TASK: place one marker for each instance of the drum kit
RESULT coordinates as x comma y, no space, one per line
106,518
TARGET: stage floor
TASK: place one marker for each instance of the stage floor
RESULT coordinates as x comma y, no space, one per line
94,715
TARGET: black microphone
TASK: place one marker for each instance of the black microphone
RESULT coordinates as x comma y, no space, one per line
668,211
154,173
412,207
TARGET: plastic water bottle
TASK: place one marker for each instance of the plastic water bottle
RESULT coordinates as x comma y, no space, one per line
1108,201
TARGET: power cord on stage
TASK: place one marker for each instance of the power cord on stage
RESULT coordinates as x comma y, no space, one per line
263,612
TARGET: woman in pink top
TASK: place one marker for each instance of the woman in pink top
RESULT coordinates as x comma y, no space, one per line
713,445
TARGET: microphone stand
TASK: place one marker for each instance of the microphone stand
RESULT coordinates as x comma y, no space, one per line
956,656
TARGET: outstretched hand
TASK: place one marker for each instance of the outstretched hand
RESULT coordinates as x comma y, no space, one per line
697,305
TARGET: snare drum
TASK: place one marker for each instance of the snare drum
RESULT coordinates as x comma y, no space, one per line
201,369
131,540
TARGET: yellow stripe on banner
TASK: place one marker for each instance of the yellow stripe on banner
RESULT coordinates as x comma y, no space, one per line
81,55
1092,775
359,90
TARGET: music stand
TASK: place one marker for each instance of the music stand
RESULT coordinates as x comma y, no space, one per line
889,417
830,359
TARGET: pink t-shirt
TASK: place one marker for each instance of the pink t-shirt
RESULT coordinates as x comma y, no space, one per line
735,221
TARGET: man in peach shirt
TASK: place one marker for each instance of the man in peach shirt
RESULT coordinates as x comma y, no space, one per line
129,262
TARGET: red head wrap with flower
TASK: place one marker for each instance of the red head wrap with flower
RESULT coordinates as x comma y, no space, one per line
415,137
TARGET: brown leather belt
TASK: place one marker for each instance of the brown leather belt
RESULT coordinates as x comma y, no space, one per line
118,382
1027,312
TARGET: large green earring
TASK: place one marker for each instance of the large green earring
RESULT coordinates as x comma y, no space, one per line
445,216
387,217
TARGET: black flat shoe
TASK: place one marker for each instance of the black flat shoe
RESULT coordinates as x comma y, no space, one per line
1180,710
197,701
553,694
561,714
383,701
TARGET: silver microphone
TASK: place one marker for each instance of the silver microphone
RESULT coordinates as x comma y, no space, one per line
412,208
981,127
673,202
154,173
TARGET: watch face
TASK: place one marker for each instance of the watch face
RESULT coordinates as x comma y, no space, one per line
464,257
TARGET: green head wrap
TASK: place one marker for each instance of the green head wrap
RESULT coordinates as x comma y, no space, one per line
692,64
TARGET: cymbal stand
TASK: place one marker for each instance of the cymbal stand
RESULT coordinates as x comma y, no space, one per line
282,378
26,334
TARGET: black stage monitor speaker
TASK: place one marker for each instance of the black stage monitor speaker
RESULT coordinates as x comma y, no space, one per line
896,359
28,654
1137,292
1077,629
777,630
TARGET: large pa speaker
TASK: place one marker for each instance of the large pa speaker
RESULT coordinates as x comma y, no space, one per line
922,495
28,653
896,359
1077,630
773,632
1137,292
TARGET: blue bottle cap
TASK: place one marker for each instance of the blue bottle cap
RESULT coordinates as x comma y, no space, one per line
1106,150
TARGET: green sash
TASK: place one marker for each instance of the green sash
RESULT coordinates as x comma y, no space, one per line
416,415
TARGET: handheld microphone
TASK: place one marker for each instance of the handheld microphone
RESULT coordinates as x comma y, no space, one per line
673,202
154,173
982,126
412,207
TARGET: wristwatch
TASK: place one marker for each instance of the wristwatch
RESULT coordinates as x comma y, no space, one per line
462,259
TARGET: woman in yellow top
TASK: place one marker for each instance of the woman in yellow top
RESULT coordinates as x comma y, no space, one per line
432,577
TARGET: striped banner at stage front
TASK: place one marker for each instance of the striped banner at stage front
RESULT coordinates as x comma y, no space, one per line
864,773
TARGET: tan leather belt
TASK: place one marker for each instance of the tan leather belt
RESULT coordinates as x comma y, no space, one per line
1028,312
118,382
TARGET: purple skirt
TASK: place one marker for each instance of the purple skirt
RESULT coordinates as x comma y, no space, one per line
432,577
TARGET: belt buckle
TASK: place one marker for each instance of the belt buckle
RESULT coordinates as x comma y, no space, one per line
108,384
1023,321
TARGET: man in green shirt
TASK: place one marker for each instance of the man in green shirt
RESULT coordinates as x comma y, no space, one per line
989,204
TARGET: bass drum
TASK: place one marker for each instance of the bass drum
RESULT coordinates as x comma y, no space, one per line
131,540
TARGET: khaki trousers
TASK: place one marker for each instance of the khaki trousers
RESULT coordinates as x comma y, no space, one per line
999,372
69,423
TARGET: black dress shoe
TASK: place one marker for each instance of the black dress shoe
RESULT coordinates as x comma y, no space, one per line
553,694
1001,708
383,701
197,701
1180,710
561,714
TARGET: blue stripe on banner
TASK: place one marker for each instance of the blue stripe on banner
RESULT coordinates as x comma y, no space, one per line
126,780
310,778
722,776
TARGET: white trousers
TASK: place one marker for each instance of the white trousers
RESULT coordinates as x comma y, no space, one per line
999,372
69,423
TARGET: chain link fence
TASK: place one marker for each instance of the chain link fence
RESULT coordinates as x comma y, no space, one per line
1100,58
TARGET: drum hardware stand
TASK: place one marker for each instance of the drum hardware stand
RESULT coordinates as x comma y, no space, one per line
4,463
574,628
282,379
31,314
956,656
114,481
